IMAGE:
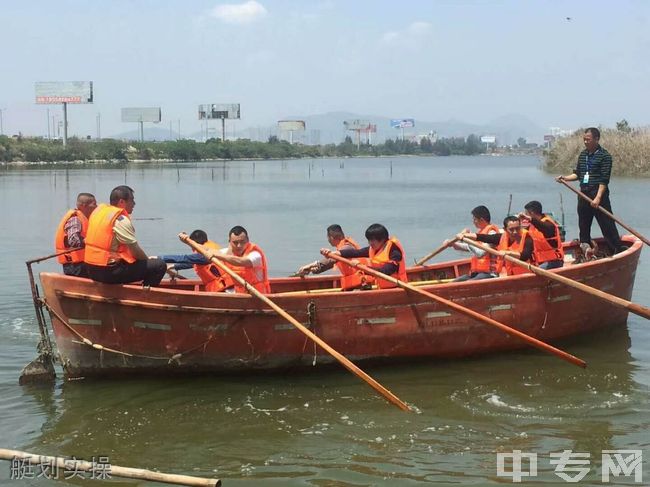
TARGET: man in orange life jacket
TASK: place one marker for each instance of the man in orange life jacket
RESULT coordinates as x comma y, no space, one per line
514,241
482,265
71,233
385,254
548,252
340,241
112,253
205,270
246,259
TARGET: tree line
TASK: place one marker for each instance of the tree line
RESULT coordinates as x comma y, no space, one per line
29,149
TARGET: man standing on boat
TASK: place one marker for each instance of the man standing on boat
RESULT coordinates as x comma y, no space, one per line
548,253
593,170
113,255
246,259
71,233
482,264
350,277
385,254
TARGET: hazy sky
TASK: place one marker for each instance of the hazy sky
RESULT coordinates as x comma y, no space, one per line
559,63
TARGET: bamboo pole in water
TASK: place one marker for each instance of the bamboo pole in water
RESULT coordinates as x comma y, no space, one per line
109,470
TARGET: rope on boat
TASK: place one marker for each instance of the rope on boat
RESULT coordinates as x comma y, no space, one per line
85,341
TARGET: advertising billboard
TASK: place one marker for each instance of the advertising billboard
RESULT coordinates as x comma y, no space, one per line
356,124
402,123
64,92
219,111
488,139
143,114
291,125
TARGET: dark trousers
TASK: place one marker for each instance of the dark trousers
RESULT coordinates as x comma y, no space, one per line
150,272
77,270
586,215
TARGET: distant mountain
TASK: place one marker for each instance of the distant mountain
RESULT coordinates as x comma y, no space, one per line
327,128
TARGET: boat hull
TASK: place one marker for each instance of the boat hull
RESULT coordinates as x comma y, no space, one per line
112,330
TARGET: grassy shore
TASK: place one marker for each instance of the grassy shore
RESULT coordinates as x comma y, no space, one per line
629,149
39,150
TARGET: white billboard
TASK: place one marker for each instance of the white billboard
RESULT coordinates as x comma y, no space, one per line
141,114
402,123
64,92
219,111
488,139
291,125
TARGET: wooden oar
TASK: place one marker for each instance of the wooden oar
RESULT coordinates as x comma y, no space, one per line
435,252
389,396
73,465
615,300
463,310
609,214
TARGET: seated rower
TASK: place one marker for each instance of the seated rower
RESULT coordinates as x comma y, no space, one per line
244,258
205,270
548,252
385,254
350,278
482,264
515,242
71,233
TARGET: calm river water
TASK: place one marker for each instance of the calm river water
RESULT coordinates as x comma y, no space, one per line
318,428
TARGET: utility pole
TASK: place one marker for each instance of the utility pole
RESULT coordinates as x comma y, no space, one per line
65,124
179,129
99,125
170,130
48,124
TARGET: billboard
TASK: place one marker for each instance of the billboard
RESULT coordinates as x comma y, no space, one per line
488,139
219,111
402,123
549,138
146,114
64,91
356,124
291,125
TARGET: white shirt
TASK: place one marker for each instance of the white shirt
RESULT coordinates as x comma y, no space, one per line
254,257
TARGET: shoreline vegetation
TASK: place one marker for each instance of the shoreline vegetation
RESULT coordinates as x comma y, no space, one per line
31,150
630,150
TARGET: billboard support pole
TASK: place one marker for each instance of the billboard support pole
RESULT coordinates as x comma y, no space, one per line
141,131
65,124
48,124
223,130
402,134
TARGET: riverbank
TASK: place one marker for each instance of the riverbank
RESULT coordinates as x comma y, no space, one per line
630,150
39,150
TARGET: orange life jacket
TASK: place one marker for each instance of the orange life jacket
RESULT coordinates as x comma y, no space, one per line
511,269
205,271
487,263
100,237
351,278
543,250
378,259
247,273
61,241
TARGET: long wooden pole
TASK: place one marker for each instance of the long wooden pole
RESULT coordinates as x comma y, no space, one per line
71,465
615,300
609,214
389,396
463,310
435,252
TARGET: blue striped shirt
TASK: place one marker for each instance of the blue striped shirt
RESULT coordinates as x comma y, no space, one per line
598,165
